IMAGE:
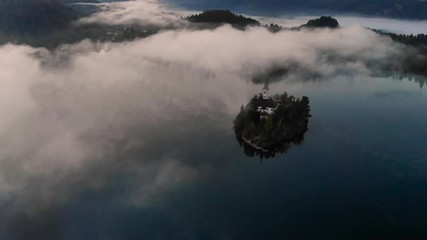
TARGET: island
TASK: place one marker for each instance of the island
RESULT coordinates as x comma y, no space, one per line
270,124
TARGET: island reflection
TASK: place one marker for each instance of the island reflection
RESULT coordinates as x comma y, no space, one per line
271,124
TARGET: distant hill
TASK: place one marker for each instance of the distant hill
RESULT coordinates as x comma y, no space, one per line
34,16
405,9
322,22
221,17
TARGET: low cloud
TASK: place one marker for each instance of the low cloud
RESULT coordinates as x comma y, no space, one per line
90,115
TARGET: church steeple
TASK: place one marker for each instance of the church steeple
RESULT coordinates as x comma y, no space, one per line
265,94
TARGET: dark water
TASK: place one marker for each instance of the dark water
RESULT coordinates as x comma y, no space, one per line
361,173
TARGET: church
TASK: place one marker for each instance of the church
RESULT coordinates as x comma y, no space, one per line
265,104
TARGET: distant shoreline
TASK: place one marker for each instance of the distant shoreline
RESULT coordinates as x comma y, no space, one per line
398,26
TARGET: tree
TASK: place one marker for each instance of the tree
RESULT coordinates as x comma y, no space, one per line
251,129
268,126
322,22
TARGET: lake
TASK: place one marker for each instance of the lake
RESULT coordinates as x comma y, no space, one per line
360,173
134,140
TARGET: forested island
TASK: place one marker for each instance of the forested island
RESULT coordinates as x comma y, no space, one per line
267,125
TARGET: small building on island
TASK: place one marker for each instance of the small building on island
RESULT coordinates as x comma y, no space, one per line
265,104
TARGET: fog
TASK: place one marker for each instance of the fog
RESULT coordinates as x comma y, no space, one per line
64,113
79,116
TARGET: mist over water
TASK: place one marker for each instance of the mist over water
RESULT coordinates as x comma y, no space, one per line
134,140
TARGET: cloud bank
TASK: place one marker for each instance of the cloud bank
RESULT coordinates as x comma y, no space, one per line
72,116
137,119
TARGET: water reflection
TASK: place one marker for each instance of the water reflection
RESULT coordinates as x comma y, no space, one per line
420,80
281,147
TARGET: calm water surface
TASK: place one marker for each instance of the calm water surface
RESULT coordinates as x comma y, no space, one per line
361,173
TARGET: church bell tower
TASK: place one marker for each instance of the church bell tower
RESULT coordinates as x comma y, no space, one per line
265,94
